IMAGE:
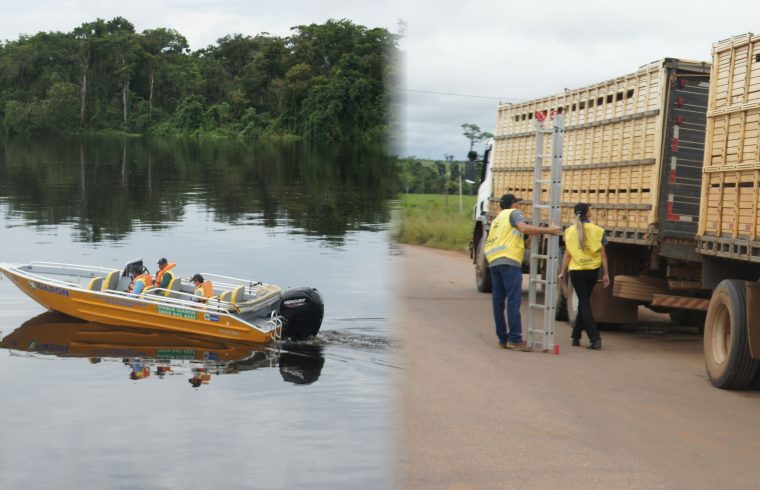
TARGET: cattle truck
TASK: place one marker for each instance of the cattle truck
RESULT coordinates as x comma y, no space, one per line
669,159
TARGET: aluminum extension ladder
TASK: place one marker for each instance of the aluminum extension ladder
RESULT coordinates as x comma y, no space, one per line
540,336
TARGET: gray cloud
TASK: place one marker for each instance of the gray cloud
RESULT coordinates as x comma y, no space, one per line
499,48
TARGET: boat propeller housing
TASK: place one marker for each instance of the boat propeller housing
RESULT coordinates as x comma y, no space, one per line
301,310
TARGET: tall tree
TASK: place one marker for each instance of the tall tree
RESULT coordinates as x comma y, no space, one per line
159,47
473,133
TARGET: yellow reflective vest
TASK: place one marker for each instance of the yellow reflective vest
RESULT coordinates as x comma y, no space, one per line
205,291
591,258
165,270
504,240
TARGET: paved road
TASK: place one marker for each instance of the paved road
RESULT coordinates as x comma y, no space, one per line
638,414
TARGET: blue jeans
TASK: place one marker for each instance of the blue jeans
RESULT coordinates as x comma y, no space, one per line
506,283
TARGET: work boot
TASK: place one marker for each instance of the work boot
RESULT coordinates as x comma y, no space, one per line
595,345
576,342
522,346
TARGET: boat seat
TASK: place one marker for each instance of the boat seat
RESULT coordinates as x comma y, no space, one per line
238,295
111,281
225,296
95,284
174,288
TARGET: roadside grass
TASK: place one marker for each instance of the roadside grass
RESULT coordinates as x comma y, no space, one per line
429,220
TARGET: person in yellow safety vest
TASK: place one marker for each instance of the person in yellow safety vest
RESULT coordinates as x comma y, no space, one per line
584,256
164,275
203,289
140,282
504,250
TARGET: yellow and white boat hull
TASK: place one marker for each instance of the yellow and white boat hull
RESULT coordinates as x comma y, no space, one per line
247,313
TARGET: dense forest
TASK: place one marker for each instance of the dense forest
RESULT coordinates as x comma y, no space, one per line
327,82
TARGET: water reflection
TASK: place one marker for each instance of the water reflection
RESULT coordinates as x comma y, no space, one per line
106,187
160,355
289,216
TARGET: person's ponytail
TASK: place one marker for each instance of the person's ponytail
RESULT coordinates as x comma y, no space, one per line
581,232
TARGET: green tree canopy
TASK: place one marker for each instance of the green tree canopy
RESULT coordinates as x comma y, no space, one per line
326,82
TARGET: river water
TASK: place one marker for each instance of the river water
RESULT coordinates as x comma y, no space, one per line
316,414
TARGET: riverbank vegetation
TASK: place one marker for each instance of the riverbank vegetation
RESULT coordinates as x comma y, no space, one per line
325,82
434,220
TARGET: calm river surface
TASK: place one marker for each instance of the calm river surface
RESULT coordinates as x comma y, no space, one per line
301,415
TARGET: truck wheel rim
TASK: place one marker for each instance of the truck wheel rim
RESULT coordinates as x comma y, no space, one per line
721,334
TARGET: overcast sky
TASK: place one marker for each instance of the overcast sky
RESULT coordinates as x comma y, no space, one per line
483,51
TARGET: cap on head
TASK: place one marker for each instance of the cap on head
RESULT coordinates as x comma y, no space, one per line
581,209
197,277
507,200
162,261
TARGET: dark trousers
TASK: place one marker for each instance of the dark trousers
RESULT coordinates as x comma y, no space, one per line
507,285
583,283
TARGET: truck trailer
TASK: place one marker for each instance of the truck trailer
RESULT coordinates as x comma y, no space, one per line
668,157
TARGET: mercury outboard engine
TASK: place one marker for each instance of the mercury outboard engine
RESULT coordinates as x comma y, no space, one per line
301,310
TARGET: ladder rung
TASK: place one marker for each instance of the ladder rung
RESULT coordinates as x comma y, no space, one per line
539,256
542,206
539,281
536,306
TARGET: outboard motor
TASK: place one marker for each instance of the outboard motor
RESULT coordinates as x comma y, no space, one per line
301,310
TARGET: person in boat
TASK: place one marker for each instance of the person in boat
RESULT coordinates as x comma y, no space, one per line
140,282
199,377
203,289
139,370
164,275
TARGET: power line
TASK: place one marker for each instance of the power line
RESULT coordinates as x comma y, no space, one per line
461,95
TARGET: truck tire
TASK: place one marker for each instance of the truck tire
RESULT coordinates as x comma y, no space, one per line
482,271
572,302
728,360
560,310
567,304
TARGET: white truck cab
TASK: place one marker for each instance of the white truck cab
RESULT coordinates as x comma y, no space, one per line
481,222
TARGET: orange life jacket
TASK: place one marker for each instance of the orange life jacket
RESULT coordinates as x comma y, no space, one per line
145,278
160,274
206,290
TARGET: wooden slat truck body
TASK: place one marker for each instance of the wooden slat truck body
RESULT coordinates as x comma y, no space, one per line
635,148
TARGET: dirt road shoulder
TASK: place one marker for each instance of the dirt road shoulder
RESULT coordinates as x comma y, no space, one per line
638,414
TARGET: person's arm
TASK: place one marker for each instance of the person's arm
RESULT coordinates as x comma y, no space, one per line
565,265
606,276
527,229
139,287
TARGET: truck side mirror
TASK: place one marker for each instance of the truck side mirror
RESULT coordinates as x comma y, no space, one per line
469,172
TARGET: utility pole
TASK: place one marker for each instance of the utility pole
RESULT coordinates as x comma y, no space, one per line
448,159
460,186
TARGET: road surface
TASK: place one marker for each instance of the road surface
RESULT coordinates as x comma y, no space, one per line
640,413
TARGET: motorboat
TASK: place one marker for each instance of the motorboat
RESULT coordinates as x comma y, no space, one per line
239,309
158,353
